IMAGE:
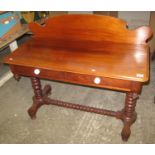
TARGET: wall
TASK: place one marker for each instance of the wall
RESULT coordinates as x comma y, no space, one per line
80,12
152,24
135,18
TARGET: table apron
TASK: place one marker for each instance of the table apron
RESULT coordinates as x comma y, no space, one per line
76,78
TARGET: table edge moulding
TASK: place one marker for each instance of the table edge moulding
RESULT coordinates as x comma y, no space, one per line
91,50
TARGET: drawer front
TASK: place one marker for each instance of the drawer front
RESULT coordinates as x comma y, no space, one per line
82,79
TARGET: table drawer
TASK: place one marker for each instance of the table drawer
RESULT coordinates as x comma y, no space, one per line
76,78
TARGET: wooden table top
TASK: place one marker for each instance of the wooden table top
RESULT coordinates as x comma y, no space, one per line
87,44
105,59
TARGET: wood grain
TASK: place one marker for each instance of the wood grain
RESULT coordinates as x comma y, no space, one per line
90,28
121,61
87,44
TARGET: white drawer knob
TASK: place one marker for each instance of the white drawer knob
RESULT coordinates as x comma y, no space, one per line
97,80
37,71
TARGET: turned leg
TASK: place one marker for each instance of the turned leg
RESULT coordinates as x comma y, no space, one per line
37,98
129,115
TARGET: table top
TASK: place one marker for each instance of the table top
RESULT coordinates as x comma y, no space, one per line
107,59
87,44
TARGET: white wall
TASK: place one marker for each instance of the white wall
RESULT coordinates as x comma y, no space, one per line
80,12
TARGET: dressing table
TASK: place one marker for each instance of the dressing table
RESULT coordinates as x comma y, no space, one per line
90,50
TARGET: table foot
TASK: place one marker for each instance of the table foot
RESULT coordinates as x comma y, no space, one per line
47,90
33,109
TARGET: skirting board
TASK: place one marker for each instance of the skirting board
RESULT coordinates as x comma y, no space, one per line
5,78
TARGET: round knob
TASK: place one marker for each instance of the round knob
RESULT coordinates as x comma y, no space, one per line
37,71
97,80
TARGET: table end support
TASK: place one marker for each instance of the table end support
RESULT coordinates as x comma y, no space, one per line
129,114
39,95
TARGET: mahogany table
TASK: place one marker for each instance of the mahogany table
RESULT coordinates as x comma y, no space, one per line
90,50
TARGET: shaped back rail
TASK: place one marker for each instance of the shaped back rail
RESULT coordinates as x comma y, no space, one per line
90,28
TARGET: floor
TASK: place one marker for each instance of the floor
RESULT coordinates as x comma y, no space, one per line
3,68
59,125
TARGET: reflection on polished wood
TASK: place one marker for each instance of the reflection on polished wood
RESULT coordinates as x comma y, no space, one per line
90,50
